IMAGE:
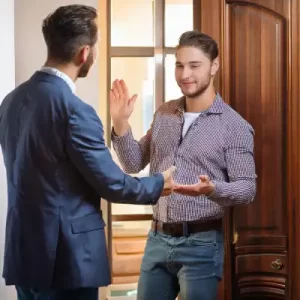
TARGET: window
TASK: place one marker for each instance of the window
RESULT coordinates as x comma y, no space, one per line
143,36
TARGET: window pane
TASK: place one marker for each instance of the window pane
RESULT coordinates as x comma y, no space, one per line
177,10
172,90
132,23
138,73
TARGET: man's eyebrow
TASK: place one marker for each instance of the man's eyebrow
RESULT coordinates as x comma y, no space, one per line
195,62
190,62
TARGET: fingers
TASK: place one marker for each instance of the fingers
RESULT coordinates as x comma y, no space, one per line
168,181
120,92
169,172
189,190
124,88
112,98
119,89
114,91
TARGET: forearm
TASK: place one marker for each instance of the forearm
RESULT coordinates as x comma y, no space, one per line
138,191
233,193
133,155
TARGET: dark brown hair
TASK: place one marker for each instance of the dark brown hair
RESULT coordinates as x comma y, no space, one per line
201,41
67,29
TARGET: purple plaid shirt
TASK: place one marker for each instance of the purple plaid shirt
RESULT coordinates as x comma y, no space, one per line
219,143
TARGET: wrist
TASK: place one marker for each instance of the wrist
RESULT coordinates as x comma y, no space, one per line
120,127
211,189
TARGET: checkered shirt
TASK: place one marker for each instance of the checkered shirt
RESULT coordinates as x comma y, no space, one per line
219,144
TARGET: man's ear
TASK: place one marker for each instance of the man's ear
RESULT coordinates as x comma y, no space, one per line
215,66
83,54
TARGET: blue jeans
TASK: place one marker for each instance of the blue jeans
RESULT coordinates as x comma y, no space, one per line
57,294
191,265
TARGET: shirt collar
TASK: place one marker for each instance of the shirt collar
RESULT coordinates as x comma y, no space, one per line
62,75
217,106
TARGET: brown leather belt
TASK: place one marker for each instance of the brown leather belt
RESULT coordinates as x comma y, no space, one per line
186,228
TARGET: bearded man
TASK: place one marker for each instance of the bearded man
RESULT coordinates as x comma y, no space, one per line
211,146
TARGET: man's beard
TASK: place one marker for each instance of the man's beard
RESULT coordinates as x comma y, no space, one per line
84,70
203,87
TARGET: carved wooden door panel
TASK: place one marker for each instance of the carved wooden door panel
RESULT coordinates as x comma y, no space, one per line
260,78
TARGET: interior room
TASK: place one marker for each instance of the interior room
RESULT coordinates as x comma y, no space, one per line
259,76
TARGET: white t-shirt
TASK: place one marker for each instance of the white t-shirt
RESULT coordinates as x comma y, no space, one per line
189,118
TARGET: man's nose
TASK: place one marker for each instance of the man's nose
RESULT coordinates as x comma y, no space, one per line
186,72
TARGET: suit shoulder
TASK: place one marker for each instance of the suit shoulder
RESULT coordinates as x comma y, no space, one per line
11,95
80,106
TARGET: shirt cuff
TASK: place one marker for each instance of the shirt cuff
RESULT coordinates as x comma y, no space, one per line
123,140
215,194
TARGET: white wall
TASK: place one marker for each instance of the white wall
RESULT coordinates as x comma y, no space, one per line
21,57
30,46
7,82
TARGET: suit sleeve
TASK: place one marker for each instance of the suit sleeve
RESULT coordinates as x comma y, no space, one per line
88,152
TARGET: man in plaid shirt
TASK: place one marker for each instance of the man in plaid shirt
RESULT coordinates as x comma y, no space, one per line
211,146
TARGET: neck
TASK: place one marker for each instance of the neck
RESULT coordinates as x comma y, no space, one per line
201,102
67,68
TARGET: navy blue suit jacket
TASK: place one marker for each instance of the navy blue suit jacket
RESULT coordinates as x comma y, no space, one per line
57,169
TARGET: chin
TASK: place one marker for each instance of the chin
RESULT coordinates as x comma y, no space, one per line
188,93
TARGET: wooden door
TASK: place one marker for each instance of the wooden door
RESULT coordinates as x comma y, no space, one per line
260,78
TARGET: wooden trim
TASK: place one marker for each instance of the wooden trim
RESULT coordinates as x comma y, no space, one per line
159,25
133,217
130,233
103,64
103,84
104,71
108,122
293,121
197,14
170,50
132,52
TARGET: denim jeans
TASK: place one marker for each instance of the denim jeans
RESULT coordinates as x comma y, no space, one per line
56,294
191,265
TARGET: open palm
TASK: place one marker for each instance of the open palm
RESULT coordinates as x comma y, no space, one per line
121,104
203,187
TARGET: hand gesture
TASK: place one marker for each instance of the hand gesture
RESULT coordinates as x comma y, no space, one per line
121,104
169,183
203,187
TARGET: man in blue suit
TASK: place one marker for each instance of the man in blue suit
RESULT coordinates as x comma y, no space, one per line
58,167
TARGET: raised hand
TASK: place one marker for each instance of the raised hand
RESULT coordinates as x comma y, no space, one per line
203,187
121,106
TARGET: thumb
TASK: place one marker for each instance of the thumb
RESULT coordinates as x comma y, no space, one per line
204,178
132,99
169,172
